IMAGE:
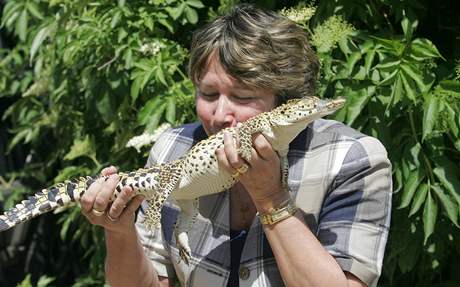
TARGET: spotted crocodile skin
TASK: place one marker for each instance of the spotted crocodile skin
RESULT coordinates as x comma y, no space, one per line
195,174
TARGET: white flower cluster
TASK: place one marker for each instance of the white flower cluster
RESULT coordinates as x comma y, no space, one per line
300,14
152,48
147,139
326,36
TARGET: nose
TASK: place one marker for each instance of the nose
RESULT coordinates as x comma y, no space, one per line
224,115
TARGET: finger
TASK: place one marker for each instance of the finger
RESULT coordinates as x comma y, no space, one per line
87,199
132,206
109,170
222,160
231,151
263,147
107,189
120,202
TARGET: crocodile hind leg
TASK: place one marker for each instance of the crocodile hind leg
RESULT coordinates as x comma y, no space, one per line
168,179
185,222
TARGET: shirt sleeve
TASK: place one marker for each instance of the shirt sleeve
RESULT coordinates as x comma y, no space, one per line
155,246
355,217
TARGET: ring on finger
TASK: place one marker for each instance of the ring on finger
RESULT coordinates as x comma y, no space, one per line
242,169
236,174
97,212
111,218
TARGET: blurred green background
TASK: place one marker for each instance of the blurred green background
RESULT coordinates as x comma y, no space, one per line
85,84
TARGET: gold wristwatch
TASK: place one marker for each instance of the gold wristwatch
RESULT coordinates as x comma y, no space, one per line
278,214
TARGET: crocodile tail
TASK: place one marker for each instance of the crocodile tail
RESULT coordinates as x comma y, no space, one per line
59,195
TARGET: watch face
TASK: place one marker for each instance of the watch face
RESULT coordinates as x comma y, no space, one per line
280,215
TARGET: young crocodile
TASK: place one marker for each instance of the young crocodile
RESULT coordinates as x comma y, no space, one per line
195,174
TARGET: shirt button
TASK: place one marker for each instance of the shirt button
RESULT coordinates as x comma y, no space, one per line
244,272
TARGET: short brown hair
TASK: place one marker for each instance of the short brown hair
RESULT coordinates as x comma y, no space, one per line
260,49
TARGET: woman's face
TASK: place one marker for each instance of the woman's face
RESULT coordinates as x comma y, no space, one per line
221,102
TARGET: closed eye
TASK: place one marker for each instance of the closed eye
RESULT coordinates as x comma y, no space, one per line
209,95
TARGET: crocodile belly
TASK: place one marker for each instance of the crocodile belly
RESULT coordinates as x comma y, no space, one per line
205,184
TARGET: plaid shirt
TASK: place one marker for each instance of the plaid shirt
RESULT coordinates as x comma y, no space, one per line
340,180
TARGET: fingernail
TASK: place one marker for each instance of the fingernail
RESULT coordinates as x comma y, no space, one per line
114,176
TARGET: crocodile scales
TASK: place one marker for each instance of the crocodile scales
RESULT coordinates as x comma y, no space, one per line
195,174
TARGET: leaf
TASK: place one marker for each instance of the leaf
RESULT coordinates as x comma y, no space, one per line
195,3
448,205
412,182
38,40
390,63
80,147
410,71
135,88
408,87
448,173
396,91
419,198
430,115
453,126
115,19
451,86
121,34
191,15
144,65
148,22
351,61
106,107
388,79
357,101
407,28
148,109
398,178
430,212
26,282
425,49
369,60
16,139
154,120
171,110
176,12
159,75
166,23
34,10
44,281
415,153
21,25
10,13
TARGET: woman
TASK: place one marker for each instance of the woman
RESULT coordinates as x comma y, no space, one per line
242,64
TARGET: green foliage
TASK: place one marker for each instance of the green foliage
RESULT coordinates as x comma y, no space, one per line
397,93
86,77
83,78
43,281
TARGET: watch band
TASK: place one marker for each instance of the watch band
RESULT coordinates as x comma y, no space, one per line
279,213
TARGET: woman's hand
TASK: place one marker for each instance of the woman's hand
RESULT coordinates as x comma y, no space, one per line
117,216
262,179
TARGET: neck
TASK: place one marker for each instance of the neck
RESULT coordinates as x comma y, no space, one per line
242,209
